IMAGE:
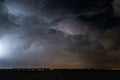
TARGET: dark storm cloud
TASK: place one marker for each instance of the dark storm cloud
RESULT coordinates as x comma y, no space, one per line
116,6
58,34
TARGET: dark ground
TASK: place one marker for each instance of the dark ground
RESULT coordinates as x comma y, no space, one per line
60,75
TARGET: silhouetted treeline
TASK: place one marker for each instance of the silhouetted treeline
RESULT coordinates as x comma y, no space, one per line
49,69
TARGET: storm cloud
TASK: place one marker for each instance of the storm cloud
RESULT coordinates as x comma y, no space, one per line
59,34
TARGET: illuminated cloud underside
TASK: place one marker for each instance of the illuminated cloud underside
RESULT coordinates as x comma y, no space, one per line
44,34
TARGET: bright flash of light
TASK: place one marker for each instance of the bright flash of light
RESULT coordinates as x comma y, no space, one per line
6,46
3,49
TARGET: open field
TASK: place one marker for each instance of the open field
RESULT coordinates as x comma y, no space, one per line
59,74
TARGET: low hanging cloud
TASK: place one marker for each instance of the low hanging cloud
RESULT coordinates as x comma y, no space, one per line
57,34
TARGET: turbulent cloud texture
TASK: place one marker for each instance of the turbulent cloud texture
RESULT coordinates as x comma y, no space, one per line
59,34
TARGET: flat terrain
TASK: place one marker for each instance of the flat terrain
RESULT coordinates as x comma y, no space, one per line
59,74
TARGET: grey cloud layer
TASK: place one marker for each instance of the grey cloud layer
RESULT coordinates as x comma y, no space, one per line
54,36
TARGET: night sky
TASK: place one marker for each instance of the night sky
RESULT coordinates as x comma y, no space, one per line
60,34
